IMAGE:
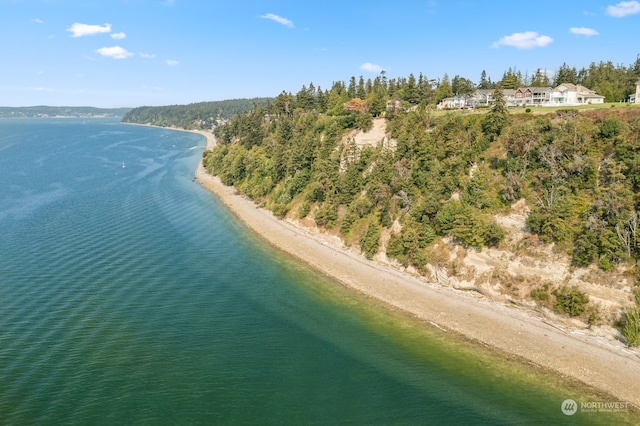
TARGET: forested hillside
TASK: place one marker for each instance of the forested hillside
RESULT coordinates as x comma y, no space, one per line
202,115
445,178
58,111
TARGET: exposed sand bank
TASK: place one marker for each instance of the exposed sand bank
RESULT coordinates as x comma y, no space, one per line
602,364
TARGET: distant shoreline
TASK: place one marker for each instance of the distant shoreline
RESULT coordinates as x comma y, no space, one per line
606,366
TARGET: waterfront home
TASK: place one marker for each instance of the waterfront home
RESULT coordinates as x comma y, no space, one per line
532,96
455,102
565,94
574,94
635,97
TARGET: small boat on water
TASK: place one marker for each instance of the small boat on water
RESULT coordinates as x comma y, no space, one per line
123,165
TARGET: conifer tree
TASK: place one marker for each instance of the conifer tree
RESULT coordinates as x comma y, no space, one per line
444,89
351,89
484,84
497,118
360,90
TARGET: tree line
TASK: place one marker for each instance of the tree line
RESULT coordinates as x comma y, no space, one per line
615,82
579,172
201,115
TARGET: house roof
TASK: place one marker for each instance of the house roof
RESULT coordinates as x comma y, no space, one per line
540,89
567,86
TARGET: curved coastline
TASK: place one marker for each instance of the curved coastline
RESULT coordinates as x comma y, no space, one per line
606,366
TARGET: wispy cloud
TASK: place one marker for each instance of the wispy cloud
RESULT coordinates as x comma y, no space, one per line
118,36
115,52
279,19
81,30
368,66
147,55
583,31
172,63
525,40
624,8
42,89
37,21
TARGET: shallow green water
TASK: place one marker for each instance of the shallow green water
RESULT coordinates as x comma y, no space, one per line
130,296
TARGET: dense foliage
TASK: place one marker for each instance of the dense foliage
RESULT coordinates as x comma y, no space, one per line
631,328
202,115
445,175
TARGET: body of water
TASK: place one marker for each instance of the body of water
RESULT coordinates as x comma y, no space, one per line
129,295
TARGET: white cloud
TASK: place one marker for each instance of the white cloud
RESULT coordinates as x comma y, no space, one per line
81,30
172,63
147,55
624,8
115,52
118,36
583,31
368,66
37,21
526,40
278,19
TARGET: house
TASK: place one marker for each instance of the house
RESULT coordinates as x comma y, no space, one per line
484,97
455,102
635,98
574,94
480,97
532,96
566,94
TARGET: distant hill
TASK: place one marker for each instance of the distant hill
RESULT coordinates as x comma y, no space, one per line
202,115
61,112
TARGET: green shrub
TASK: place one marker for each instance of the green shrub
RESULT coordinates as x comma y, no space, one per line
494,235
370,240
303,209
571,301
540,294
632,327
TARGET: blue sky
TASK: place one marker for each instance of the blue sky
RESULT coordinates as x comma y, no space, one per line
112,53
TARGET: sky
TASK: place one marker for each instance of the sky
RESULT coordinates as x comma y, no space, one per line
128,53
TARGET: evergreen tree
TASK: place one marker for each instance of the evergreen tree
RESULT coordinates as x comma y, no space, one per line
305,98
444,89
462,86
351,90
425,89
484,84
540,79
377,98
565,74
360,90
497,118
511,79
410,91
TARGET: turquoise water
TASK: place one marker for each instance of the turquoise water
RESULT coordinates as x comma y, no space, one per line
128,295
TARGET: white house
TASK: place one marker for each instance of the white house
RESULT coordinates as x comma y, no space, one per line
454,102
572,94
566,94
635,99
